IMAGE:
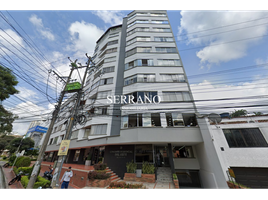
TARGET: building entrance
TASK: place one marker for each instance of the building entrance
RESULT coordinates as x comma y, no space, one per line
162,156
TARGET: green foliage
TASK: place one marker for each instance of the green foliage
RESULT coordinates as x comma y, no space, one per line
26,144
25,170
15,169
122,185
23,162
175,177
4,157
147,168
131,167
238,113
33,152
4,141
98,175
40,181
7,87
258,113
100,166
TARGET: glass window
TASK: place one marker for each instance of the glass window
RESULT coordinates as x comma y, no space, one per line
166,49
144,49
183,152
106,81
110,59
186,96
156,121
163,39
124,122
108,69
74,134
168,62
158,14
87,132
162,29
112,42
159,22
250,137
144,153
130,80
146,78
172,96
99,129
146,119
172,78
177,119
76,155
132,120
103,94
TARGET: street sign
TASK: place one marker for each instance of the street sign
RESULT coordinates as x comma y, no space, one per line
64,146
73,86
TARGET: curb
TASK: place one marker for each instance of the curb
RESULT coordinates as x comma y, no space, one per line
4,178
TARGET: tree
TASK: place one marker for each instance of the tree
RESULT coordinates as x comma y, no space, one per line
7,87
26,144
257,113
238,113
4,141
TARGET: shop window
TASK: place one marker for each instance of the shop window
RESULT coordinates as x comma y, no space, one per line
76,155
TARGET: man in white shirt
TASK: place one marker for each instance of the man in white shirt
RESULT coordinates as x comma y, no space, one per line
66,178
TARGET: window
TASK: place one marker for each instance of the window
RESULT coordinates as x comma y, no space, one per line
130,80
246,137
103,94
97,74
95,85
139,62
87,132
146,78
137,22
112,42
183,152
172,78
138,39
111,50
74,134
176,96
155,119
113,35
159,22
158,14
163,39
55,140
110,59
106,81
144,49
96,49
101,110
99,129
166,49
168,62
174,119
50,142
76,155
108,69
144,153
161,29
131,52
146,120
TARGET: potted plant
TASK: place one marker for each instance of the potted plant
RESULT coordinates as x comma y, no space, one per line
175,181
88,161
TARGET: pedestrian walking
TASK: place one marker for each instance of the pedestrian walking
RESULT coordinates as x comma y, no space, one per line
66,178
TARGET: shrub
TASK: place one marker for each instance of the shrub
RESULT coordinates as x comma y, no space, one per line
147,168
175,177
23,162
131,167
40,182
25,170
98,175
12,159
24,181
100,166
15,170
118,185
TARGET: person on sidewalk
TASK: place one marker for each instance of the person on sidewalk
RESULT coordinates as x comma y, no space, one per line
66,178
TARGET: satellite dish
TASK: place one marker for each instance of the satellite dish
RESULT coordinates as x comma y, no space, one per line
215,118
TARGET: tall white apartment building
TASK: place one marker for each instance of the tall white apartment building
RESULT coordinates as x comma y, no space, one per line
139,107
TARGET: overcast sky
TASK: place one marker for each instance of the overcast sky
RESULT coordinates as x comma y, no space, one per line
224,53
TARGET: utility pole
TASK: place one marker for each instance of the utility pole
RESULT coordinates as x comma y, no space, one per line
61,159
49,131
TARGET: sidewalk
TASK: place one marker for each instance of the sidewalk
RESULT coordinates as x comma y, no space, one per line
9,176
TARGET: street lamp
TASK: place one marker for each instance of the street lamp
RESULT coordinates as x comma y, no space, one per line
17,154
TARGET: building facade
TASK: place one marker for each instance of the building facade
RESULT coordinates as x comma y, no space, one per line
241,145
139,106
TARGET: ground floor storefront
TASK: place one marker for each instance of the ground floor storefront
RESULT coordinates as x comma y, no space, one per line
179,159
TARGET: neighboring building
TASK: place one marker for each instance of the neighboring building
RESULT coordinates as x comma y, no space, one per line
140,60
241,144
36,133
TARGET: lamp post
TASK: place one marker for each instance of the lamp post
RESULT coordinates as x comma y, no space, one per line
17,154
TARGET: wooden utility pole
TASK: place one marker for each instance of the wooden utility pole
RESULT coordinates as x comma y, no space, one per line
47,135
61,159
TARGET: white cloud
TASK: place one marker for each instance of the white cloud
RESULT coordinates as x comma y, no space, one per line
110,17
207,90
26,93
21,125
195,22
40,27
83,37
10,40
